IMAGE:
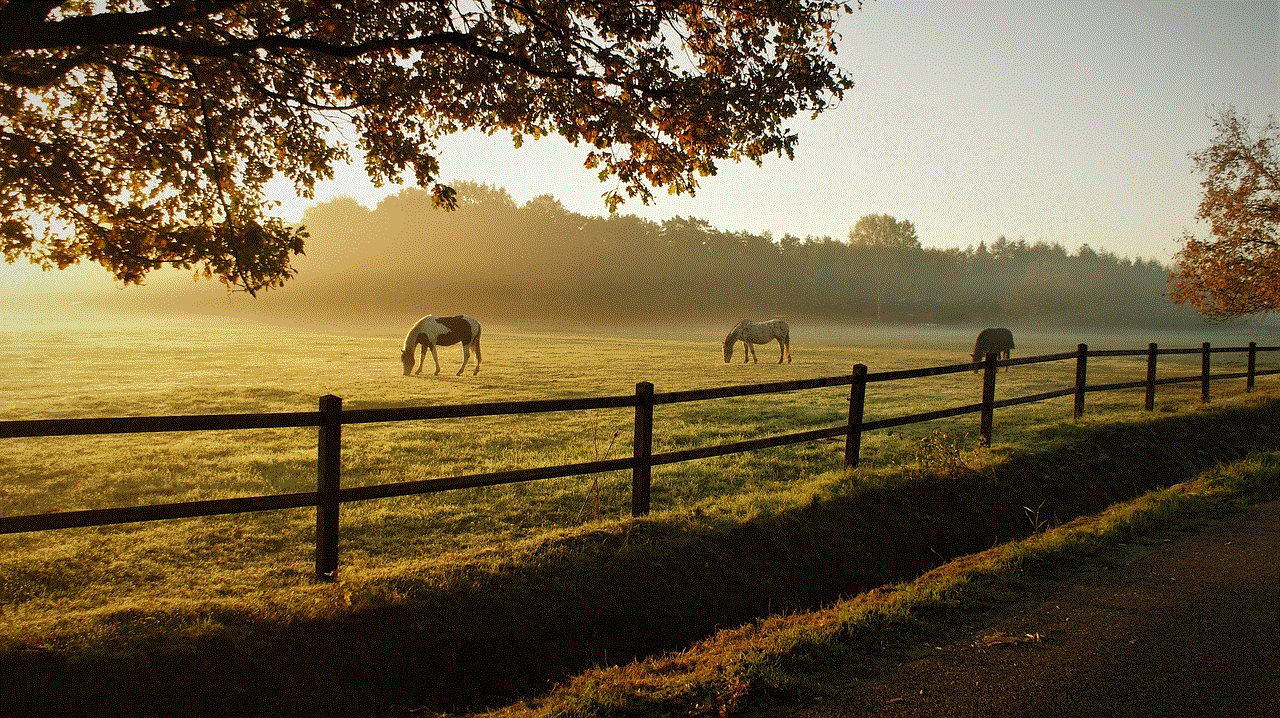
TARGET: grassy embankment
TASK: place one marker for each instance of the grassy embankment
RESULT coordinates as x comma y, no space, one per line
479,567
782,658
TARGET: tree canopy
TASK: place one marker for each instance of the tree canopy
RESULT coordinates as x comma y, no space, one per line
882,230
142,133
1236,270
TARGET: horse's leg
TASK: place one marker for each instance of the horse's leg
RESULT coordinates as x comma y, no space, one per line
422,359
782,350
477,371
435,357
754,358
466,357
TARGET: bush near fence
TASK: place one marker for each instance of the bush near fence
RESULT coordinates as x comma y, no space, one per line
330,418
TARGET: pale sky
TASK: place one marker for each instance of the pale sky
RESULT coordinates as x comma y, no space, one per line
1066,121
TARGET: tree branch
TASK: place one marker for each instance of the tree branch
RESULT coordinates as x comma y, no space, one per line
29,30
134,29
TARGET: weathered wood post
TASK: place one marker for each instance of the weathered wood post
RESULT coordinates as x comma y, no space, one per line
1082,360
328,469
1204,372
988,398
642,450
1150,403
1252,366
857,401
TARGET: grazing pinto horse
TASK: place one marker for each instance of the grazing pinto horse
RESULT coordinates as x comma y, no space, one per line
749,332
992,341
432,331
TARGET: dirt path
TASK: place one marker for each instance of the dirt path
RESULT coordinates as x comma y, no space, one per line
1189,629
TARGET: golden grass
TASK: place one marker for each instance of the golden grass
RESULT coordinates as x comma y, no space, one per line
55,586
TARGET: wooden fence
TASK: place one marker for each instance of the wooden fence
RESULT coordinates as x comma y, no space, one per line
331,417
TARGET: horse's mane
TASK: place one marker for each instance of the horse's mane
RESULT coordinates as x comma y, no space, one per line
410,339
733,333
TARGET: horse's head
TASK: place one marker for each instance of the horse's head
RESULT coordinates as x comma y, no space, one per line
730,340
406,358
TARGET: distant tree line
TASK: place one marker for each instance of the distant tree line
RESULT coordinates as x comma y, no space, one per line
492,254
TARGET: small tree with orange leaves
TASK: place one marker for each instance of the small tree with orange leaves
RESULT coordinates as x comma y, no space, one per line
1236,271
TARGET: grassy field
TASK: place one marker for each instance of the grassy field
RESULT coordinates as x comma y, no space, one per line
72,587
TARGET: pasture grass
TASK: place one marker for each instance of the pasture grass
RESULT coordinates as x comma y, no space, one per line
119,588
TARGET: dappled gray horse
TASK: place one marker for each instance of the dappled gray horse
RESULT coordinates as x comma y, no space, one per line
995,340
749,332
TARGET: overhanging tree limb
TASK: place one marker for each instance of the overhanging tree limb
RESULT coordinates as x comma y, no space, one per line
144,132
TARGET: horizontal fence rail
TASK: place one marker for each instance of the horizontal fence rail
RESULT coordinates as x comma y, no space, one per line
153,424
330,495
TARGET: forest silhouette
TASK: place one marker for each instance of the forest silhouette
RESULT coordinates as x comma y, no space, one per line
494,256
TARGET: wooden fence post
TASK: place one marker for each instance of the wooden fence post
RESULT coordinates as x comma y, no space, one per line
988,398
328,470
857,401
1082,360
1204,372
642,451
1252,367
1150,403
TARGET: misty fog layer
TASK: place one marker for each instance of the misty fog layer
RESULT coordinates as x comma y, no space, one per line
538,259
539,262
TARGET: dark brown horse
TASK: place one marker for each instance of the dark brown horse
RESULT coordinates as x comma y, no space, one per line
995,340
